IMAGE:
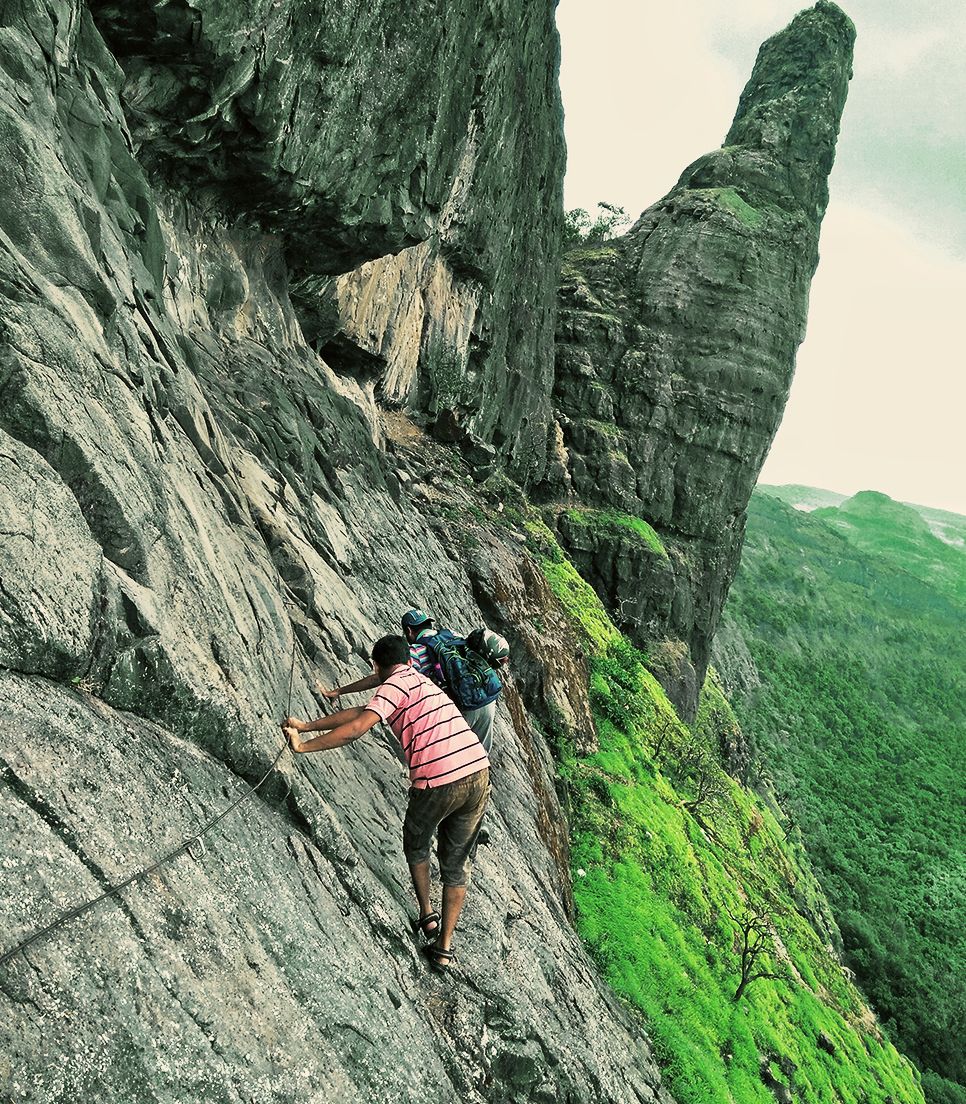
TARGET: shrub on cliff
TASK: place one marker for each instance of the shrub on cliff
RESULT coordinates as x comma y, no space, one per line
581,229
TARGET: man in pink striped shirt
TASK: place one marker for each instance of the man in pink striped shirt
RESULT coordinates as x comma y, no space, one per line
449,779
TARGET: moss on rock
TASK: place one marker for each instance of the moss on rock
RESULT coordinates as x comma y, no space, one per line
615,523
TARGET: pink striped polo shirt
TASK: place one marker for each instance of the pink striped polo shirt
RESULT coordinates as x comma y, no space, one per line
439,746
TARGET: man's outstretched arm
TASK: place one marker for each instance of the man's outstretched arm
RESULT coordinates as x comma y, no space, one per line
340,729
323,724
369,682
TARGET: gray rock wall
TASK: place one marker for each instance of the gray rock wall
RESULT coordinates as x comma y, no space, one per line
425,137
677,342
190,493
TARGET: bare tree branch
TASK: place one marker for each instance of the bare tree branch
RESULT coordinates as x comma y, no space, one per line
756,933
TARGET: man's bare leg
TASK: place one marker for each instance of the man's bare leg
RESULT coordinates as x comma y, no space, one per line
453,898
419,872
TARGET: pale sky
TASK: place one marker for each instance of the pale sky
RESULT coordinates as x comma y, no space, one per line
879,398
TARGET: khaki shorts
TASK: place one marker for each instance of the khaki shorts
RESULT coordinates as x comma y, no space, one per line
453,813
481,721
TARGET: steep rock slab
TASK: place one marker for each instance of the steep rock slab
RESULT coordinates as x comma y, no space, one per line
272,964
428,135
222,502
676,343
52,575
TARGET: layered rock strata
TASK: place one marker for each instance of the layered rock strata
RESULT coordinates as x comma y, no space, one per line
676,348
191,498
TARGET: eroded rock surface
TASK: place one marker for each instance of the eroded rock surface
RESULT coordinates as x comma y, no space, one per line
422,142
677,342
191,497
232,235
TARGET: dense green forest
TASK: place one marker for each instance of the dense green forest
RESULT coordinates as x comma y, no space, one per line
854,618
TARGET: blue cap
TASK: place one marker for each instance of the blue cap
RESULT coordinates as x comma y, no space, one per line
413,618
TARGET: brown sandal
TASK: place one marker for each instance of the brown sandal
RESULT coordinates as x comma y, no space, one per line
438,958
420,925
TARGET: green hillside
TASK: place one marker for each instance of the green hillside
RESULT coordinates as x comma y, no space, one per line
854,618
680,874
948,527
875,523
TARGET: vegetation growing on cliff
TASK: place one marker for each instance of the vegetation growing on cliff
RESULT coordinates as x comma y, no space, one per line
616,523
856,632
731,201
579,228
666,885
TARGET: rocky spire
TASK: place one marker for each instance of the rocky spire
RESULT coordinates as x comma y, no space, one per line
676,349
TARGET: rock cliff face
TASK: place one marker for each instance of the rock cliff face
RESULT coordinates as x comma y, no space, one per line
190,492
676,348
420,142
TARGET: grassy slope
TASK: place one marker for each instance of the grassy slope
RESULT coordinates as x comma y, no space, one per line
857,632
661,891
620,524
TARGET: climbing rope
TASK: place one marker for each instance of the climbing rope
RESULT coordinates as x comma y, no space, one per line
184,846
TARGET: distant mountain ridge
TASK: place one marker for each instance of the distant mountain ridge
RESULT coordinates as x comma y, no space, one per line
800,497
907,533
949,527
